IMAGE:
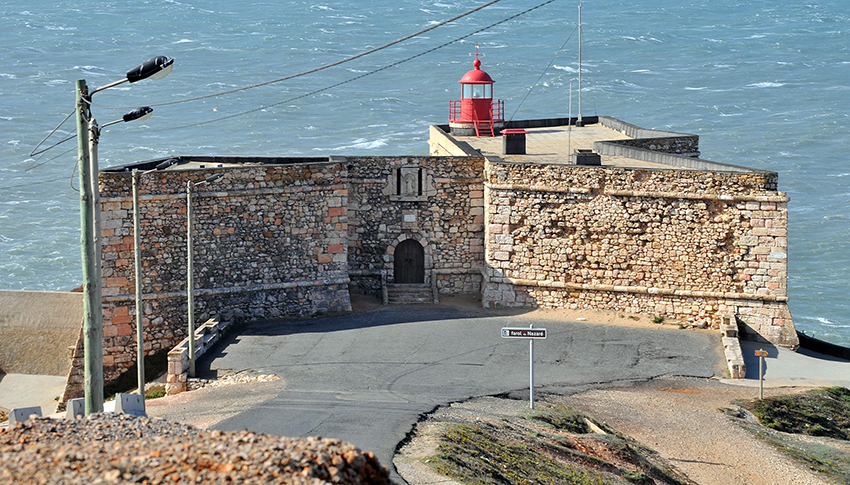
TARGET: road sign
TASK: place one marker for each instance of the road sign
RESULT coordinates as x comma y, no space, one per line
518,332
761,353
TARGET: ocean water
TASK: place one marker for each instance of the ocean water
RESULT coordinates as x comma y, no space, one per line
765,85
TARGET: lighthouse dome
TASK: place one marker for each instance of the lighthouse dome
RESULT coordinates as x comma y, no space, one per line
476,76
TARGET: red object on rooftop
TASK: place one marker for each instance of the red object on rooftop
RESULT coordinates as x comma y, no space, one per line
476,107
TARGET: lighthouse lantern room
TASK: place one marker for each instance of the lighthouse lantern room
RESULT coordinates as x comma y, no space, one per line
476,113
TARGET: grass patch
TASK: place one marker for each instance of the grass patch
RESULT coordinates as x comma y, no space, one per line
823,414
562,418
553,444
473,454
155,392
819,412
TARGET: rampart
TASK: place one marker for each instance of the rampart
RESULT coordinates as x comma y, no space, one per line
682,244
278,238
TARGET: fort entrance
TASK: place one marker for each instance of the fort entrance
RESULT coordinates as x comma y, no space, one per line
409,262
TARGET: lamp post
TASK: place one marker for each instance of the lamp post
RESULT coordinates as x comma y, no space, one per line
88,133
190,273
137,253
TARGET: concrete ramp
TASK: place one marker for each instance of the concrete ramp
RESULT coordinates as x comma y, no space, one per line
36,330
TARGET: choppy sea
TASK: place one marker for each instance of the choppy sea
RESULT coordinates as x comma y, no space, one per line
766,84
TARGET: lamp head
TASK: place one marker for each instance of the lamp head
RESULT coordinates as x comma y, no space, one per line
156,68
139,114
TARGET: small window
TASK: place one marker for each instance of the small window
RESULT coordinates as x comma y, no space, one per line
478,91
467,91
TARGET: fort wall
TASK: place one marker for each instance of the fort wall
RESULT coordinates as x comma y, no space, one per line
270,241
687,245
443,209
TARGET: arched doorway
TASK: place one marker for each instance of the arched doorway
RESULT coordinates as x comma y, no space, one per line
409,262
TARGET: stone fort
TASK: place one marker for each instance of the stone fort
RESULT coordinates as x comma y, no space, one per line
579,213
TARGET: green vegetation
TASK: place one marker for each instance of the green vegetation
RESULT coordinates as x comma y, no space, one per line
823,414
658,319
819,412
556,444
154,392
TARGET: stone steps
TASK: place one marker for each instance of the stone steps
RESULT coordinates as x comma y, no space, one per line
405,294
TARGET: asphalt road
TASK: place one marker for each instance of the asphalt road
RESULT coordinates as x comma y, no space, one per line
367,377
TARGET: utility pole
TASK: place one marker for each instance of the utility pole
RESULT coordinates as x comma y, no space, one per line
93,323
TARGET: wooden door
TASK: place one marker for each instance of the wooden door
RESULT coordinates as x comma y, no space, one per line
409,262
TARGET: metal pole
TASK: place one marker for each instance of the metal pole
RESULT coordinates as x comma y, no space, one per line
92,326
97,238
579,122
190,282
531,371
137,253
761,374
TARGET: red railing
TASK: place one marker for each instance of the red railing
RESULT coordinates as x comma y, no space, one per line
497,110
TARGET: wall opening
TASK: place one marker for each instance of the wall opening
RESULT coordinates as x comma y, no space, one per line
409,262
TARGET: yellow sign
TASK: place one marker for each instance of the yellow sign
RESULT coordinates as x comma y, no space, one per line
761,353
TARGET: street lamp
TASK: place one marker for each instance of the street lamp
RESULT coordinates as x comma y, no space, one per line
137,252
190,273
88,133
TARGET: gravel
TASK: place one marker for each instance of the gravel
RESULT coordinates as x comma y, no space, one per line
111,448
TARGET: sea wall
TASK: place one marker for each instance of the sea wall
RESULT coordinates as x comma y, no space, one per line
690,246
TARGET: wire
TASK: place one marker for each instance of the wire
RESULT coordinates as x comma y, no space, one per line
36,165
192,125
33,152
543,73
326,66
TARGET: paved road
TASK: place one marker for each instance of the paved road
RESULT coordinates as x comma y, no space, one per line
366,378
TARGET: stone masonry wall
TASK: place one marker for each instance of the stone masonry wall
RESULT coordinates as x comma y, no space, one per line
693,246
270,241
445,215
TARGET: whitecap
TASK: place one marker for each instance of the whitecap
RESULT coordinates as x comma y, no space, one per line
8,76
765,85
361,144
567,68
641,70
184,41
701,88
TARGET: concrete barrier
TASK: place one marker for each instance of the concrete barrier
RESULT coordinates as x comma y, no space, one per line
20,415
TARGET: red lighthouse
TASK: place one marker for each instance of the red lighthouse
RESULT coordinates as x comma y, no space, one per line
476,113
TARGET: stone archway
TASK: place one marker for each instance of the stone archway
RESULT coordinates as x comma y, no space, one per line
412,247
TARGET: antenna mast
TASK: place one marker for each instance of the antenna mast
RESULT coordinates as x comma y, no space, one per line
579,122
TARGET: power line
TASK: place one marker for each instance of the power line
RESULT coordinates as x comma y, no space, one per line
388,66
326,66
543,73
273,81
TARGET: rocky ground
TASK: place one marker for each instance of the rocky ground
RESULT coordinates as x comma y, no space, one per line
681,419
118,448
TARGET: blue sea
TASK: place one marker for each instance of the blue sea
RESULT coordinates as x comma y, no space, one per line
766,84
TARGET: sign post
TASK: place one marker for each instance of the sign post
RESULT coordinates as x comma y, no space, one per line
761,354
531,334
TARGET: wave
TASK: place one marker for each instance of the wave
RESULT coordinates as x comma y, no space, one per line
765,85
361,144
